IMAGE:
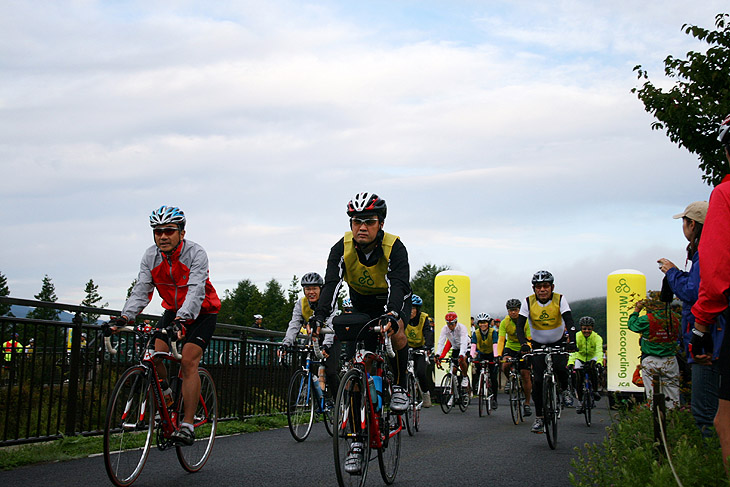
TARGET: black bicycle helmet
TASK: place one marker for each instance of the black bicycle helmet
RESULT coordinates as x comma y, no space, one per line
514,303
312,279
542,276
587,321
367,204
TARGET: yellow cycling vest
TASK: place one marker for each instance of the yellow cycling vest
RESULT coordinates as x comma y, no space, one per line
415,333
367,280
484,345
548,317
307,312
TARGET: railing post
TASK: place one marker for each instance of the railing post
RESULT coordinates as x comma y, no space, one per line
242,372
73,378
659,410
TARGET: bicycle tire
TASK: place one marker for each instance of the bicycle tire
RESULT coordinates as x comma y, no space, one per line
482,397
328,414
521,398
514,401
417,409
463,395
489,393
389,453
193,457
410,412
123,457
351,395
587,403
447,394
550,406
300,405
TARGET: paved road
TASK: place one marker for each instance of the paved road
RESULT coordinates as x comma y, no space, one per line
449,450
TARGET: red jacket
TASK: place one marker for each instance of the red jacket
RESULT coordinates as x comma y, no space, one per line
181,280
714,257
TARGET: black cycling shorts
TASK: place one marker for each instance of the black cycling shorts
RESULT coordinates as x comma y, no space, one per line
200,332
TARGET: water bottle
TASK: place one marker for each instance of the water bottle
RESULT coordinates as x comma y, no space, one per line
166,393
376,383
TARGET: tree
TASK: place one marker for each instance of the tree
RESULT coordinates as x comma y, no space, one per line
692,109
131,286
48,293
275,307
4,291
422,284
91,300
238,306
294,289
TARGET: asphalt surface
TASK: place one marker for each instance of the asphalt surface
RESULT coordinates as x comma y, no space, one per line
455,449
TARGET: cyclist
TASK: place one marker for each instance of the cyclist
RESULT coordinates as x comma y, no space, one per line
178,269
589,351
549,317
303,311
508,345
482,348
375,266
458,337
419,332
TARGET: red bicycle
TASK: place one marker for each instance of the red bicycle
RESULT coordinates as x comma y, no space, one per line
137,409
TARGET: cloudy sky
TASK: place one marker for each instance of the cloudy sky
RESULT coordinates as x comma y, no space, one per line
502,134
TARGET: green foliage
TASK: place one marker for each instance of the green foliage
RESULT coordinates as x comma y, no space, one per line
422,284
294,289
275,307
131,286
91,300
239,306
699,100
4,291
629,455
593,307
47,293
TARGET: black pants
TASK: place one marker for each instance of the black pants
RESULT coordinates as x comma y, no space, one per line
560,367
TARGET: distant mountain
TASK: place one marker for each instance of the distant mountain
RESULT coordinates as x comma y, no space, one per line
22,312
594,307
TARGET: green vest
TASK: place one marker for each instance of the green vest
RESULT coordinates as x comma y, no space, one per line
484,345
363,279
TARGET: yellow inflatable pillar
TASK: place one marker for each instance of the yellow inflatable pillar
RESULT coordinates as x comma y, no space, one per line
624,288
452,292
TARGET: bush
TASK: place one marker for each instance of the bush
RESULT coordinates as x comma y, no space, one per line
630,456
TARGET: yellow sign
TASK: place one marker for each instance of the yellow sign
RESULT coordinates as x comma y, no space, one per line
452,292
622,344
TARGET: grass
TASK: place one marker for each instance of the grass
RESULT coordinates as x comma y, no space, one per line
69,448
630,456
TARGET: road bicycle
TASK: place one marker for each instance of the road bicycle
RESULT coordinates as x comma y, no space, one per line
516,390
452,392
484,388
362,409
415,393
138,410
588,402
552,404
306,399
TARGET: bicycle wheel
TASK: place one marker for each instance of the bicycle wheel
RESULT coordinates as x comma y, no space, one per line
520,398
488,394
514,400
482,396
193,457
352,424
447,394
417,408
587,404
328,413
463,396
300,405
389,454
128,426
550,409
410,412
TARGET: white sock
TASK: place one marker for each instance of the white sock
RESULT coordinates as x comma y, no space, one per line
189,426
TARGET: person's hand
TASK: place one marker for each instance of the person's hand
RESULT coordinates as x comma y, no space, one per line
178,328
525,348
388,328
700,346
325,353
117,322
437,361
665,265
570,347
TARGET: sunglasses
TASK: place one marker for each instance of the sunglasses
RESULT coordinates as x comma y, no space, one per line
586,328
165,231
366,221
451,322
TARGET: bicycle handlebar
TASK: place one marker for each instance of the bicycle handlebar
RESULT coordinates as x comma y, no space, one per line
141,331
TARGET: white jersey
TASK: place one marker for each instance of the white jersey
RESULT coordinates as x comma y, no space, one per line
459,339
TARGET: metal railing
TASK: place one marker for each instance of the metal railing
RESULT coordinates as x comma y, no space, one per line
59,384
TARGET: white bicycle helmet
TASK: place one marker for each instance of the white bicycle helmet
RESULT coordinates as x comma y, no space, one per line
167,214
483,317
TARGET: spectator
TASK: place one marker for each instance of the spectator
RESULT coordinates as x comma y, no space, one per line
659,330
685,285
11,348
713,295
258,322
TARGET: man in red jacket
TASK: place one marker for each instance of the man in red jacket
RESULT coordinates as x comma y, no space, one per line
178,269
714,291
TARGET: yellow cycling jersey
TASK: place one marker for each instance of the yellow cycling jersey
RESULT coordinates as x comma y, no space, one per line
415,333
307,311
547,317
363,279
508,335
